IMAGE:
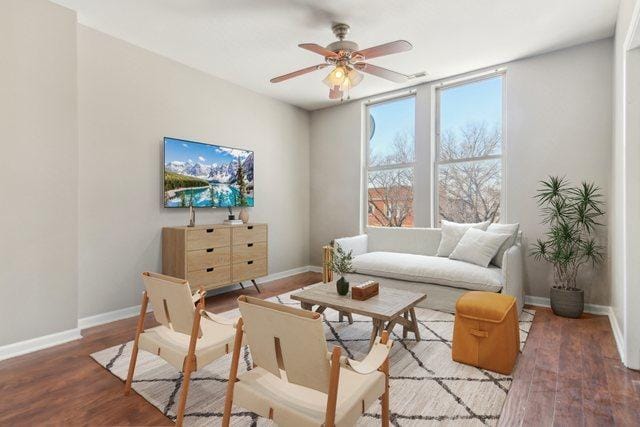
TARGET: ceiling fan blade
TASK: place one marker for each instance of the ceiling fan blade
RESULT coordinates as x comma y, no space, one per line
297,73
385,49
381,72
316,48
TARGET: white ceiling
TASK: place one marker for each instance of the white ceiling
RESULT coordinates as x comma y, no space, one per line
249,41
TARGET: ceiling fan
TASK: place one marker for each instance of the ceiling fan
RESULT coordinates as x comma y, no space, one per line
347,60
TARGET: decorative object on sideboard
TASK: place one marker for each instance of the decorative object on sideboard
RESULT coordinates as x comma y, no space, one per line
231,216
244,215
192,217
340,262
572,213
365,290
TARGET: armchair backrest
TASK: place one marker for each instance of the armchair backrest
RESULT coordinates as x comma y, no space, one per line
171,300
288,339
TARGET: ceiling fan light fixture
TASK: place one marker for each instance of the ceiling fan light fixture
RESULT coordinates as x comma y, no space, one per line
336,77
343,78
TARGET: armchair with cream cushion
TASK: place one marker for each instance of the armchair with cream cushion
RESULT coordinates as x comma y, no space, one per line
188,338
295,381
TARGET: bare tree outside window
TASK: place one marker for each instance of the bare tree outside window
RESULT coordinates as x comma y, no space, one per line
391,154
469,191
469,164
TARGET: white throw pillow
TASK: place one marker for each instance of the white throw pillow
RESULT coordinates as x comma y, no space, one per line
512,230
452,232
478,247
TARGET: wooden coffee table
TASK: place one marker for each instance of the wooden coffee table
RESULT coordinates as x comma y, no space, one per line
387,309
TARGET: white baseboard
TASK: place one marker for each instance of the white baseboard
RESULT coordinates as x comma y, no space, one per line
39,343
315,268
604,310
617,335
588,308
110,316
125,313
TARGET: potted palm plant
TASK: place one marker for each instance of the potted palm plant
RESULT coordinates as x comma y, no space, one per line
572,214
340,263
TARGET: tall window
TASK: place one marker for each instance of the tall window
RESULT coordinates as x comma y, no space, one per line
469,151
390,162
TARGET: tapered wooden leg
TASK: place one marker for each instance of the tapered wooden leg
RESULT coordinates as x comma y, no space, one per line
405,331
377,325
256,285
134,350
384,401
414,322
185,391
241,285
233,372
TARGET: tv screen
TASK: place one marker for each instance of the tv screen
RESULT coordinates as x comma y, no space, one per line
206,176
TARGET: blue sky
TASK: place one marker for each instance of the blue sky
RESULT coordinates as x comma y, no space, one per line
391,117
474,102
183,151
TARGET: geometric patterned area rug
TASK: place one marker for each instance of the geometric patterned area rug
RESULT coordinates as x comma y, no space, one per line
426,386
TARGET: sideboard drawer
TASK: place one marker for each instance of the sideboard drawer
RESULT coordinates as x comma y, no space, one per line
249,234
210,277
210,257
249,269
204,238
249,251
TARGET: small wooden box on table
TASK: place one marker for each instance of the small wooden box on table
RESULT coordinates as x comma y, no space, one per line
215,255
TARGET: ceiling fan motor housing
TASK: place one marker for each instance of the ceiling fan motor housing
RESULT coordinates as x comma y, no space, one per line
344,46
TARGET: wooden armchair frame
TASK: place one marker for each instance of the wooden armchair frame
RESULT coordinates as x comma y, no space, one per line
369,364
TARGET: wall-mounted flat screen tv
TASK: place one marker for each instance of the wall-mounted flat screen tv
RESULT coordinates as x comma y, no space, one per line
206,176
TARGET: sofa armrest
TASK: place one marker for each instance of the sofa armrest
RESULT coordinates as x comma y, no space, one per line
512,274
356,244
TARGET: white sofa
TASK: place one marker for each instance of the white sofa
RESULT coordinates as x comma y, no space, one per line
405,258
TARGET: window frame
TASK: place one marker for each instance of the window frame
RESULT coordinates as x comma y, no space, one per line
436,162
366,167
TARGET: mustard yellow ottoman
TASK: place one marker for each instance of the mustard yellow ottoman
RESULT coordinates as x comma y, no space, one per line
486,332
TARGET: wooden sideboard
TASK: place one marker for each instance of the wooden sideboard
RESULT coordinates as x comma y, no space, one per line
215,255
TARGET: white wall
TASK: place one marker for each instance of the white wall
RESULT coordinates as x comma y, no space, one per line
558,122
129,98
624,272
39,151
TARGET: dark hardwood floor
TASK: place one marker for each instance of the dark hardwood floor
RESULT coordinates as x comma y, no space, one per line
568,374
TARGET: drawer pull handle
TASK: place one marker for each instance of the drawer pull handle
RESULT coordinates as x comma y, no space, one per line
209,230
249,262
250,227
209,270
249,245
210,250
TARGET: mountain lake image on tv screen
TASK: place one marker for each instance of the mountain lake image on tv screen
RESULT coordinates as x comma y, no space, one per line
205,176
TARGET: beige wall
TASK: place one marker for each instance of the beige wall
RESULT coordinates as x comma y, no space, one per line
39,151
558,122
129,98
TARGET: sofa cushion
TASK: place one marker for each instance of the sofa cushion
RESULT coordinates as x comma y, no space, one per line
429,269
452,232
511,229
478,247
